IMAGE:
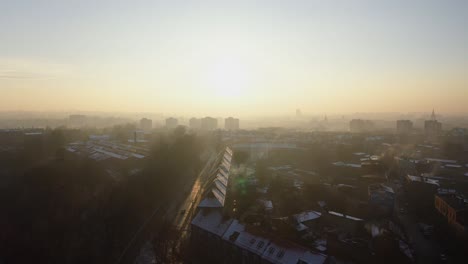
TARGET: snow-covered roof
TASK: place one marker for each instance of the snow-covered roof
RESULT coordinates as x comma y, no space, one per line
211,221
441,160
210,203
307,216
238,235
282,252
301,227
219,184
423,179
272,250
359,153
267,204
345,216
453,166
342,164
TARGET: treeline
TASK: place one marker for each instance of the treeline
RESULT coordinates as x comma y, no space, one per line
72,211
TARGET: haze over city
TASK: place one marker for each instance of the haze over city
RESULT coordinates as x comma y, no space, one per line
234,57
248,131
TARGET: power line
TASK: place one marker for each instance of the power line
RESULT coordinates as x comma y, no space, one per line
137,233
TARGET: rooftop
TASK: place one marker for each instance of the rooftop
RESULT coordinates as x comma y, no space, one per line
455,201
217,194
212,221
307,216
422,179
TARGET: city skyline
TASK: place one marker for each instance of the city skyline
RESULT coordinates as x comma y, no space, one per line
244,58
215,131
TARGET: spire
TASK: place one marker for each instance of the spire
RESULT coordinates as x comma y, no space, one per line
433,116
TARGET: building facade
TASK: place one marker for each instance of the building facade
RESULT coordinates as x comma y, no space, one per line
209,123
455,209
171,122
360,125
404,126
146,124
231,123
432,127
195,123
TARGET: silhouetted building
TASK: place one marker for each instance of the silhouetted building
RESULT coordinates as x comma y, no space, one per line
231,123
171,122
404,126
381,199
359,125
195,123
432,127
146,124
455,208
77,120
298,112
209,123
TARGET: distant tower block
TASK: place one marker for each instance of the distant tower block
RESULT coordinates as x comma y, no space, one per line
171,122
432,127
146,124
298,112
231,123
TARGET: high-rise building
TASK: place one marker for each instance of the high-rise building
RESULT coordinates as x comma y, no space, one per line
171,122
298,113
432,127
77,120
359,125
404,126
209,123
231,123
146,124
195,123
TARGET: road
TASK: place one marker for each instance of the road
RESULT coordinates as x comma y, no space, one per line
427,249
181,221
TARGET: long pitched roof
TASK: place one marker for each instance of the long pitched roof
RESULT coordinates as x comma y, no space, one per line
218,188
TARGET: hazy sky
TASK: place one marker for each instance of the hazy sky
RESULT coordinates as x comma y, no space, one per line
234,57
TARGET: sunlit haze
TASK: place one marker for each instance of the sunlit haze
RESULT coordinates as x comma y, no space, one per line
234,57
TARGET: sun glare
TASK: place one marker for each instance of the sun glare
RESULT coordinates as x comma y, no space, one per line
229,78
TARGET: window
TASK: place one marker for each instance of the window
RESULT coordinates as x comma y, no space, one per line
271,250
260,244
280,254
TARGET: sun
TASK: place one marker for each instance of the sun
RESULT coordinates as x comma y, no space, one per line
229,78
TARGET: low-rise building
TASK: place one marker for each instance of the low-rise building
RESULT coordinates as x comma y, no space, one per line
305,220
229,241
381,199
455,208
